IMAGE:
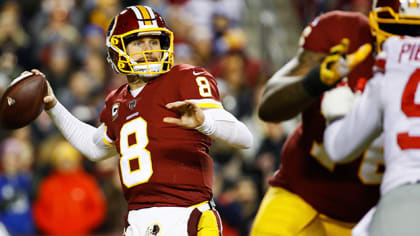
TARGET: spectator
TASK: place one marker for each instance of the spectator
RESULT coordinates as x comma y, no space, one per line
103,13
16,187
56,58
12,34
93,42
9,68
236,94
269,153
107,173
69,201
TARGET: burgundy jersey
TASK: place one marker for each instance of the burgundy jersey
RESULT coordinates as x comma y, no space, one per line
344,192
162,164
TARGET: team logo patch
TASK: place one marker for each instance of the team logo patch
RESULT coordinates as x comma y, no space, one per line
153,230
115,111
132,104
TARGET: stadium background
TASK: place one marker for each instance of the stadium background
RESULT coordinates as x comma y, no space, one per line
241,42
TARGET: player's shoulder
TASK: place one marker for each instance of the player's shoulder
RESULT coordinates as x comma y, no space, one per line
395,43
398,51
189,70
116,93
333,21
329,28
347,15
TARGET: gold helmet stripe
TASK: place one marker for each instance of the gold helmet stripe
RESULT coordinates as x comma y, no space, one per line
413,3
147,20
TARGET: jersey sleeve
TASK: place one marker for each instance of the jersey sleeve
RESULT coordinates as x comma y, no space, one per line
200,86
348,137
106,118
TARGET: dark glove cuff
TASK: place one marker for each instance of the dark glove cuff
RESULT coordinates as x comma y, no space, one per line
312,83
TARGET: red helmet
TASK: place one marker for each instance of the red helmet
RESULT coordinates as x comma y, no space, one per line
394,17
131,23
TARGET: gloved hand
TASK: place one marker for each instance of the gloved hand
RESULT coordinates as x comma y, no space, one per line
337,102
333,68
338,64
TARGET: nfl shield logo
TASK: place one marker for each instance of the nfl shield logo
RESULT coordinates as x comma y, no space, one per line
132,104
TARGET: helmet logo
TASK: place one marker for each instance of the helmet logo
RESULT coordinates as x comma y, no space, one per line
153,230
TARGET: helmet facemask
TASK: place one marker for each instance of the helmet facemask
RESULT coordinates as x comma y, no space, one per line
386,22
118,40
126,64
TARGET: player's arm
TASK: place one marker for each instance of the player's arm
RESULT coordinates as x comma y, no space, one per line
218,123
345,139
84,137
284,96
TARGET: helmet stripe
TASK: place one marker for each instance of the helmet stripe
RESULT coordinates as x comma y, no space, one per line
152,14
146,16
412,3
137,12
138,15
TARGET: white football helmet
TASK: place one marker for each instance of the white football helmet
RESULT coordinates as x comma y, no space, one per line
394,17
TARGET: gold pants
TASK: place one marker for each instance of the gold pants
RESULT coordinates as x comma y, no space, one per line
283,213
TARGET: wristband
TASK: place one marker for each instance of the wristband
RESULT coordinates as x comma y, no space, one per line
312,83
208,127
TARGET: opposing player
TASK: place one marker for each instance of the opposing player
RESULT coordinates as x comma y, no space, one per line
310,194
389,105
161,123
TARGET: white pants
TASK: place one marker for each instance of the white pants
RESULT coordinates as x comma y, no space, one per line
397,213
162,221
362,228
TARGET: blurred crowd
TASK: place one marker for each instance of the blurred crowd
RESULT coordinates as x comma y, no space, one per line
47,187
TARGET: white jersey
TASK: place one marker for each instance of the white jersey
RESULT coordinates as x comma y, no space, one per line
390,103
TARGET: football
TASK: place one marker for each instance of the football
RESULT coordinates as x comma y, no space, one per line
22,101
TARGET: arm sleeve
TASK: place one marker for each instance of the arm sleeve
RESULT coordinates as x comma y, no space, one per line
85,138
220,125
347,138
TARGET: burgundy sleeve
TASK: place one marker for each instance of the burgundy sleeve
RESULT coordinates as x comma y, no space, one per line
197,83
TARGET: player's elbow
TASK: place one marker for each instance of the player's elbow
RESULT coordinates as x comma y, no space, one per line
94,158
241,137
275,114
266,112
248,141
268,115
263,113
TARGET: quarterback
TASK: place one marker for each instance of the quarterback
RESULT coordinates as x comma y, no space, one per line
161,124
